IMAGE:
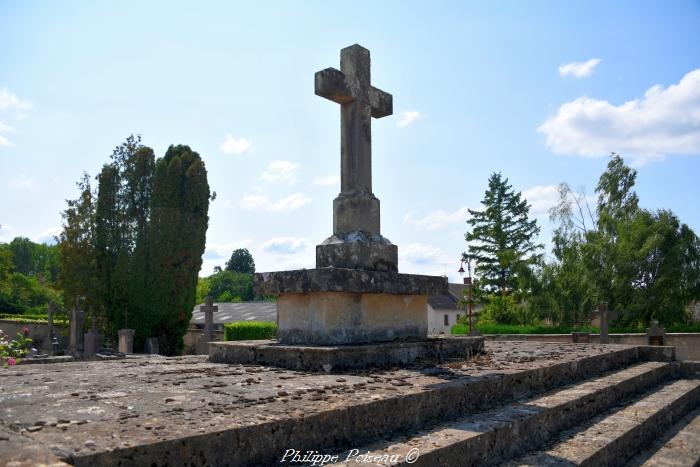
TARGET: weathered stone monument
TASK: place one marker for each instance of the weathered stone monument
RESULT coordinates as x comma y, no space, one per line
208,309
605,316
355,297
48,344
656,335
92,340
126,340
75,338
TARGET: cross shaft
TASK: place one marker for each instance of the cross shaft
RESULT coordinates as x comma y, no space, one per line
359,102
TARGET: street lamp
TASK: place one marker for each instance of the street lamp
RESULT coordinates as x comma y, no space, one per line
468,281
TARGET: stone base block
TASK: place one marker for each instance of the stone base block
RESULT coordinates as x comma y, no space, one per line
358,250
344,357
355,212
333,318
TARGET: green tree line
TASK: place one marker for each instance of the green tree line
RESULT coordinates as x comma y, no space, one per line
644,263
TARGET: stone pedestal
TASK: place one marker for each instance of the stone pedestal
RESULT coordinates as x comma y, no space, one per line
91,341
332,306
126,340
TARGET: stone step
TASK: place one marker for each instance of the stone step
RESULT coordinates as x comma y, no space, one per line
616,436
679,447
498,434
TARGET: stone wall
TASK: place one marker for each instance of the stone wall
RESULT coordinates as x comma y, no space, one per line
192,337
687,344
39,332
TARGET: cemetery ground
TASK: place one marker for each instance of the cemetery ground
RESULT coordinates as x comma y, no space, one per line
527,403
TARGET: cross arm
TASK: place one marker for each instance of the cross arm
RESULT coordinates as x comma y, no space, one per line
331,84
381,102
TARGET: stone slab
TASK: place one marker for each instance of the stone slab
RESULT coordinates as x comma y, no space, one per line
347,280
345,357
333,318
187,411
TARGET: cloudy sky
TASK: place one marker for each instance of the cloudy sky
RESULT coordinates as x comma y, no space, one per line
540,91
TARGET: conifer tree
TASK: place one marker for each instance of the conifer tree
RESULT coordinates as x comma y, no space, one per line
176,241
501,239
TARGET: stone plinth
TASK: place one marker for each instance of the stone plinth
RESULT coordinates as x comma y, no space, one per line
358,250
332,306
347,280
344,357
330,318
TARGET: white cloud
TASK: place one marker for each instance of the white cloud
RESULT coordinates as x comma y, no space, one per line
48,236
541,198
281,171
232,145
4,128
284,245
290,203
254,201
218,251
23,182
326,181
662,122
408,117
7,233
579,69
422,255
11,101
437,219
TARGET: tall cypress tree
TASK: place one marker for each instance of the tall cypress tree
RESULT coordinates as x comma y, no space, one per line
501,239
176,240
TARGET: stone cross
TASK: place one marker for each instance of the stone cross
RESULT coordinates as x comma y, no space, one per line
50,312
76,329
356,208
209,309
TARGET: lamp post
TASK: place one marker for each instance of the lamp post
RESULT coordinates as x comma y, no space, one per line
468,282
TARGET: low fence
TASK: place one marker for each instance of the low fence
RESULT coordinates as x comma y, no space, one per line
687,344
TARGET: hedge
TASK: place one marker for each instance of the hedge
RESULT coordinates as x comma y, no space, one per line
249,330
515,329
32,319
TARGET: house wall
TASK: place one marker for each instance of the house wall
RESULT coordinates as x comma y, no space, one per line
436,320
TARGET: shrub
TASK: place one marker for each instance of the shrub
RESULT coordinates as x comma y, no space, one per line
249,330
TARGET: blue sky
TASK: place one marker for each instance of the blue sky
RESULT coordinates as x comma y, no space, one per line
541,91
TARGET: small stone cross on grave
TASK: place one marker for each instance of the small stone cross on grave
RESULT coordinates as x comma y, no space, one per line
605,316
51,310
209,309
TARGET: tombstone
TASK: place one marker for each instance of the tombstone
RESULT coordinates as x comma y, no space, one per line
656,335
150,347
75,340
91,340
580,337
209,309
48,343
605,317
126,340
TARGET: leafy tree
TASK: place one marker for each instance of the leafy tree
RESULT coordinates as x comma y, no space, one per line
645,264
229,286
501,239
241,261
175,242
